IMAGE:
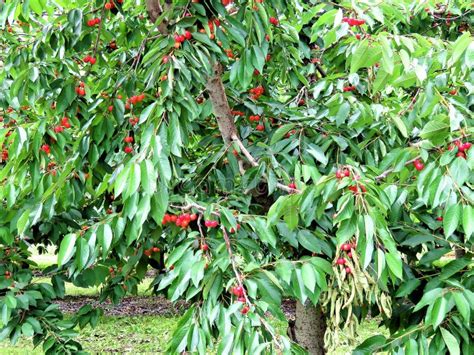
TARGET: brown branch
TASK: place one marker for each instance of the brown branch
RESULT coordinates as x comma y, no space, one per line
238,277
154,11
254,163
389,171
222,111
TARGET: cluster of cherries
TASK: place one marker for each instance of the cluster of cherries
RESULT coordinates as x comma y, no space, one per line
349,88
462,148
353,21
182,220
342,173
178,39
237,113
110,5
89,59
133,121
239,291
64,124
274,21
134,100
346,247
93,22
80,89
256,92
211,223
152,250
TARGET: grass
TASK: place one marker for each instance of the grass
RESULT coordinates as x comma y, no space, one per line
149,334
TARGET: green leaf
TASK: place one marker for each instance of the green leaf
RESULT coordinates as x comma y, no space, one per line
463,307
451,219
133,181
394,262
428,298
459,47
365,55
104,234
264,233
468,220
82,253
308,275
280,132
400,125
436,315
159,204
66,249
451,342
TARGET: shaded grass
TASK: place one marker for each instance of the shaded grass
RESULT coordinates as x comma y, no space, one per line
151,334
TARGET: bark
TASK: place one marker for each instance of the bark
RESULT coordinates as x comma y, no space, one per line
216,91
459,253
154,11
309,328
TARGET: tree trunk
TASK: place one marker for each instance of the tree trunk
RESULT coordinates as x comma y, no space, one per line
309,329
218,97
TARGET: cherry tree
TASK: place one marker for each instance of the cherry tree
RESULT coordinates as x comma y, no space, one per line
251,151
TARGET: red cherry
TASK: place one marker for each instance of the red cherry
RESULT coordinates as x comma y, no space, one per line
110,108
188,35
108,6
439,218
128,139
241,299
245,309
260,127
348,270
349,254
274,21
461,155
453,92
341,261
156,250
346,247
128,149
193,217
204,247
339,174
92,60
46,148
466,146
292,185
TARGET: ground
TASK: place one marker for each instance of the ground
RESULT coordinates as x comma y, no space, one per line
140,324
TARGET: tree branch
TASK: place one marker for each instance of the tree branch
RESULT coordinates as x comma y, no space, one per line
154,11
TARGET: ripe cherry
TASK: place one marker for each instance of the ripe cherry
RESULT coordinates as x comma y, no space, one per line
292,185
418,165
110,108
341,261
156,250
128,150
46,148
439,218
193,217
204,247
260,127
128,139
245,309
348,270
274,21
346,247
